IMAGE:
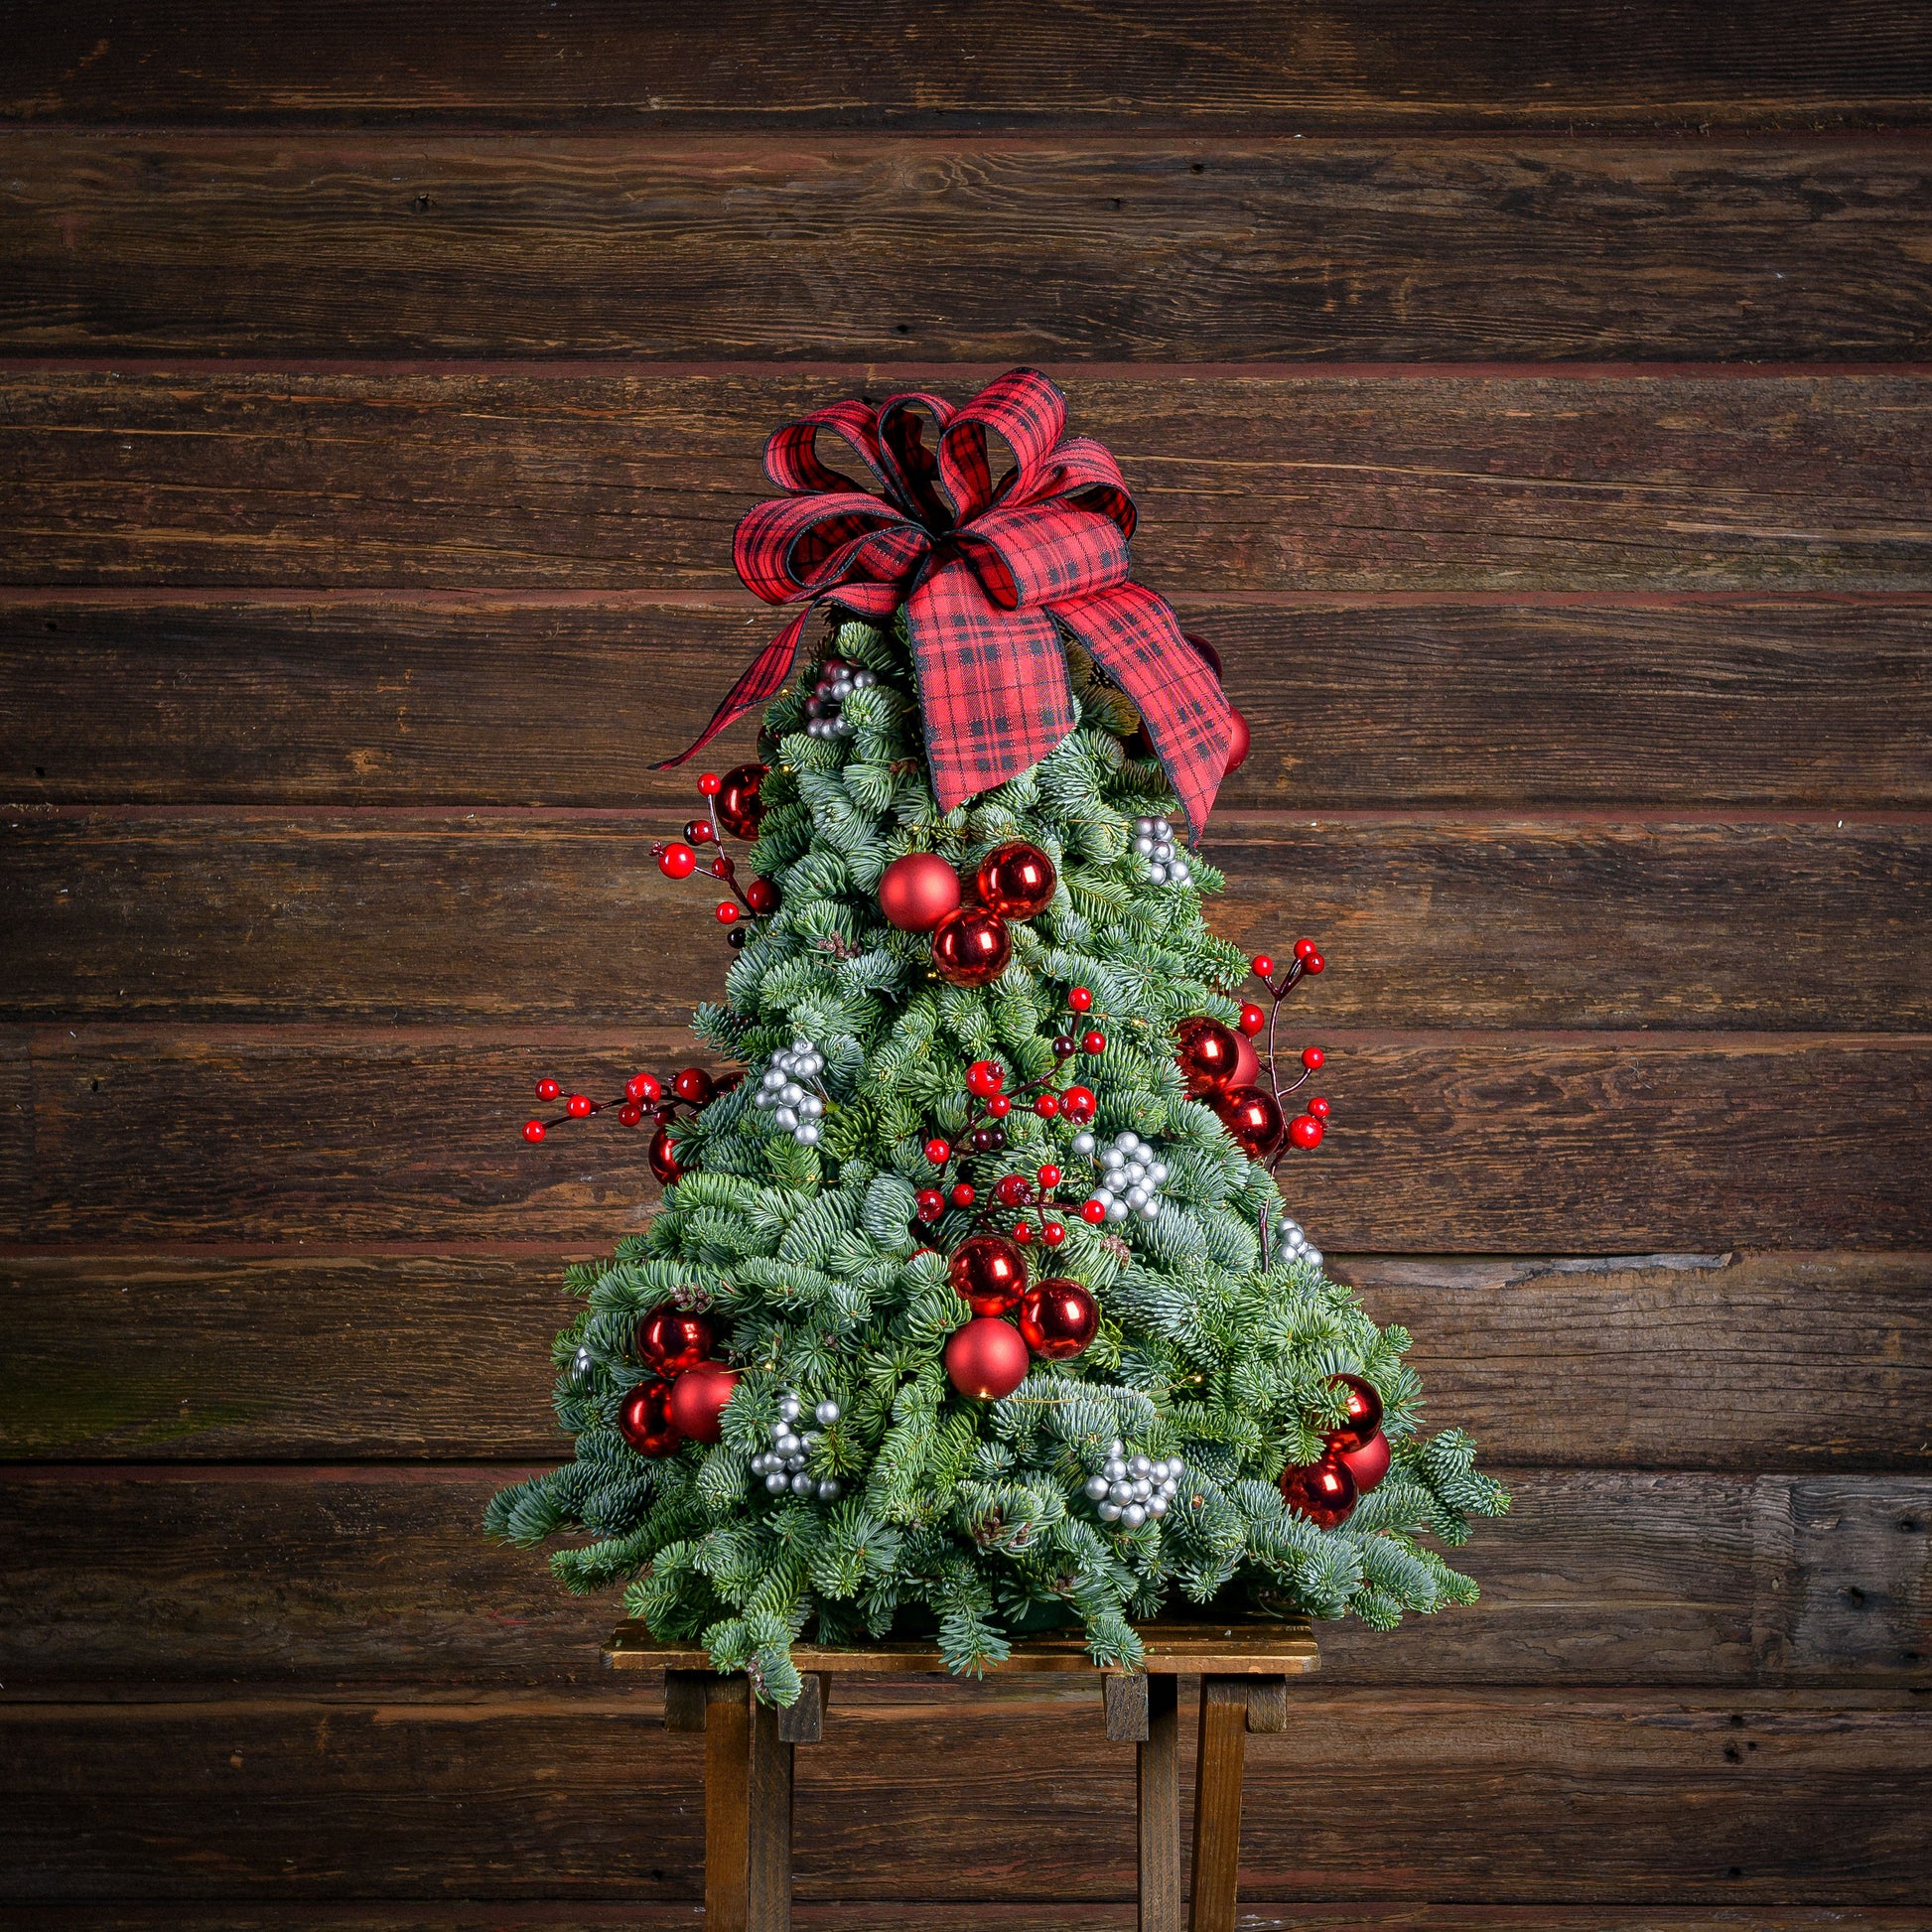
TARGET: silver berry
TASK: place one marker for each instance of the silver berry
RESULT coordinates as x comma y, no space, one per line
827,1412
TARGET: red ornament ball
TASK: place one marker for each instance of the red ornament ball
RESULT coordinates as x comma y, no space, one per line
740,808
1323,1493
762,895
964,1193
580,1106
535,1131
1078,1105
1016,881
693,1084
710,784
918,891
678,860
1046,1105
1093,1042
698,1398
548,1089
1247,1064
1080,1000
1206,1054
1239,740
644,1087
1306,1131
1367,1465
670,1341
1252,1020
1252,1115
726,913
1364,1412
987,1359
937,1152
971,946
663,1158
1263,966
1314,1058
631,1113
931,1204
1320,1107
985,1077
988,1274
1057,1319
1302,948
645,1421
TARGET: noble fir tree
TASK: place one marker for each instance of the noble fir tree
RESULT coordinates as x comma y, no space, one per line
972,1308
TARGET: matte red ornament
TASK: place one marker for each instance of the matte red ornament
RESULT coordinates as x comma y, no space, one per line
1367,1465
918,891
937,1152
988,1274
964,1195
694,1085
1252,1115
1057,1319
1323,1493
1093,1042
1247,1064
1314,1058
1239,740
1263,965
580,1106
1046,1105
1364,1412
698,1398
631,1113
1304,1131
971,946
726,913
1078,1104
678,860
740,808
985,1077
535,1131
931,1204
762,895
1252,1020
644,1087
1320,1107
987,1359
1206,1054
645,1421
1080,1000
670,1341
663,1158
1016,881
548,1089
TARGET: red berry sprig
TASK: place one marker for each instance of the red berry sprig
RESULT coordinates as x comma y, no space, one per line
1305,1130
643,1093
679,859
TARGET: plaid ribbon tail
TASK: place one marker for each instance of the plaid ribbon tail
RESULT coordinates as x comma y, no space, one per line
763,678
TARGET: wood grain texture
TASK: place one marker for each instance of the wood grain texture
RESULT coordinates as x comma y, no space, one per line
1426,921
293,245
595,480
317,1575
1476,1144
1582,1795
1222,66
151,1357
561,701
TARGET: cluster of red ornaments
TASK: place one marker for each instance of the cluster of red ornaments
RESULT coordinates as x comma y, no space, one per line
643,1094
735,806
988,1358
1355,1460
971,945
684,1400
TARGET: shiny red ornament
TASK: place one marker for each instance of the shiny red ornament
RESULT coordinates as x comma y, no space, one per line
726,913
964,1193
1304,1131
645,1421
698,1398
670,1341
1302,948
1078,1104
1049,1176
1313,963
1093,1042
999,1105
1252,1020
1093,1213
988,1274
918,891
971,946
1053,1233
1080,1000
1264,967
644,1087
548,1089
631,1113
1323,1491
1247,1064
710,784
694,1084
1057,1319
663,1158
535,1131
762,895
1046,1105
1320,1107
697,831
1367,1465
987,1359
1239,741
678,860
985,1077
1009,1189
1364,1412
740,808
931,1204
1314,1058
937,1152
580,1106
1016,881
1206,1054
1252,1117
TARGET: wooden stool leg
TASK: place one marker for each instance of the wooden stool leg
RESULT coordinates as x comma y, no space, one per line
1217,1803
727,1803
768,1899
1158,1808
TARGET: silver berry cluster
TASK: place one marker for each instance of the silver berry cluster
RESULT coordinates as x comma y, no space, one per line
1295,1242
1131,1488
1131,1176
782,1465
824,709
1154,841
790,1093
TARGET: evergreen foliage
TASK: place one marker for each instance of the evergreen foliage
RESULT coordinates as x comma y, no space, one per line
965,1520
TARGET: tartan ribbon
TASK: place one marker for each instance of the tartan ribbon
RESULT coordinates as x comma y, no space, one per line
990,574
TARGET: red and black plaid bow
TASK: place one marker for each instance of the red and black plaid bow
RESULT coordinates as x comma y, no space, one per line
984,570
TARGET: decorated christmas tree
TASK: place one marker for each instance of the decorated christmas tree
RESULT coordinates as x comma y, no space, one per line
972,1308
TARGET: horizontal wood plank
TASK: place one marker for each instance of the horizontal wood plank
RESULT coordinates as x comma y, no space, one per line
1431,921
611,480
161,1359
559,701
1479,1143
1294,251
1580,1796
950,64
320,1575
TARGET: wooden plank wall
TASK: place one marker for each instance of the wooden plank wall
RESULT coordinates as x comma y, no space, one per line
1532,402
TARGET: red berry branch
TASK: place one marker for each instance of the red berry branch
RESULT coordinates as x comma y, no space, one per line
732,798
643,1094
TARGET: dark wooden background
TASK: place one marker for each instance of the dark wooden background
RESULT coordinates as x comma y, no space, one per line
1532,401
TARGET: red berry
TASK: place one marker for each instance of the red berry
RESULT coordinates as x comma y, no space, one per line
1023,1232
1093,1042
985,1078
721,867
578,1106
630,1113
1080,1000
999,1105
643,1086
1303,947
1009,1189
1252,1020
964,1193
1049,1176
726,913
535,1131
763,896
931,1204
1314,1058
1263,965
1304,1131
548,1089
1319,1107
1313,963
678,860
937,1152
1053,1233
1094,1212
1046,1105
694,1085
1078,1104
710,784
698,831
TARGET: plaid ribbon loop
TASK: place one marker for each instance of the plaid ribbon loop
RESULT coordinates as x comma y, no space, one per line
992,573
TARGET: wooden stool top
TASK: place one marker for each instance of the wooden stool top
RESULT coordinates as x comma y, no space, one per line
1259,1649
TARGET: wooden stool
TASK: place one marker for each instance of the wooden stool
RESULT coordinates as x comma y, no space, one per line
1244,1672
